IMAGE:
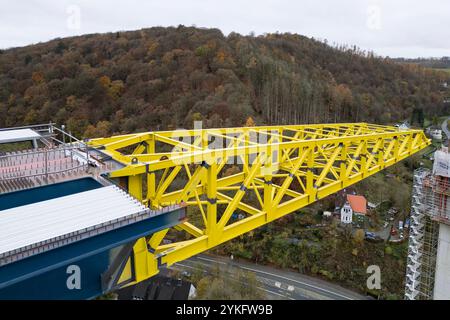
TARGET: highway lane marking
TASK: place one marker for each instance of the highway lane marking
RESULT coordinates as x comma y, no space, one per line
278,284
275,275
268,282
200,263
276,293
302,291
272,292
183,265
210,260
306,284
193,261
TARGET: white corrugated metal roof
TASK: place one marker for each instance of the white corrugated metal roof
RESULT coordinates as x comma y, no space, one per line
18,135
49,220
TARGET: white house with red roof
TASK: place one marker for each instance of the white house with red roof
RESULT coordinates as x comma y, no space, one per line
354,205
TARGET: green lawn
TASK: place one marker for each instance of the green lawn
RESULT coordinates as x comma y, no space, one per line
443,69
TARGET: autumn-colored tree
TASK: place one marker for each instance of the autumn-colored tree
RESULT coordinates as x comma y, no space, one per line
197,116
37,77
221,56
250,122
71,103
105,81
31,117
358,236
116,89
102,129
152,46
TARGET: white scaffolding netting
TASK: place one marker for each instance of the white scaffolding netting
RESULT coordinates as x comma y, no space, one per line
441,165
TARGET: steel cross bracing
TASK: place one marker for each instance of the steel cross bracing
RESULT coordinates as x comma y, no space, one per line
257,174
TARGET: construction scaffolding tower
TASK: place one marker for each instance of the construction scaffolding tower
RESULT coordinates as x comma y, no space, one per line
429,208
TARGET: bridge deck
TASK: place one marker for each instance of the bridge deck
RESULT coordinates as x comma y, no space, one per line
40,226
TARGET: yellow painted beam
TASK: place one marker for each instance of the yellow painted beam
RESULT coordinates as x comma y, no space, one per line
322,159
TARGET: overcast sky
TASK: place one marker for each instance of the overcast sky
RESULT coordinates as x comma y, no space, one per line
388,27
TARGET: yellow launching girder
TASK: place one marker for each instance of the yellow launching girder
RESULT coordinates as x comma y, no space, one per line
256,173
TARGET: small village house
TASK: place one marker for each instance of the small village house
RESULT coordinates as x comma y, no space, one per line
346,213
354,209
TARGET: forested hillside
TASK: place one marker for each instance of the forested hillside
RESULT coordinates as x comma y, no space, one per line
162,78
435,63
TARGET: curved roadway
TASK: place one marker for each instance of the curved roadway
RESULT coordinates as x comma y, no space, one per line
276,283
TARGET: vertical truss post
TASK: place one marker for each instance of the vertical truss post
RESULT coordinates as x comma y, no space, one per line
211,206
151,178
310,174
380,155
268,186
343,166
279,139
135,186
410,144
145,264
396,148
246,157
363,159
204,137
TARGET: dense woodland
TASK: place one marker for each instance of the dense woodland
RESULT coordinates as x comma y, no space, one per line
161,78
436,63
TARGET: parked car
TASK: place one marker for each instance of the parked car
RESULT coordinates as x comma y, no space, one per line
370,236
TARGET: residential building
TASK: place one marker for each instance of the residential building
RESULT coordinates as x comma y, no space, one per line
346,213
354,209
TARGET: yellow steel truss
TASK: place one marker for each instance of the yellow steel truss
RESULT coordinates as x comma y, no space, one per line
261,173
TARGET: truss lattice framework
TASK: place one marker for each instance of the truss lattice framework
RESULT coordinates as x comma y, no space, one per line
260,173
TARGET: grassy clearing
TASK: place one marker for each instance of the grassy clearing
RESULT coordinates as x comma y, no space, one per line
443,69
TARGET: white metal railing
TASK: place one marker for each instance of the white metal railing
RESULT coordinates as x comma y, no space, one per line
63,153
42,162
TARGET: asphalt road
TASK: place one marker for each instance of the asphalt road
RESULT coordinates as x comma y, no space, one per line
276,283
445,128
